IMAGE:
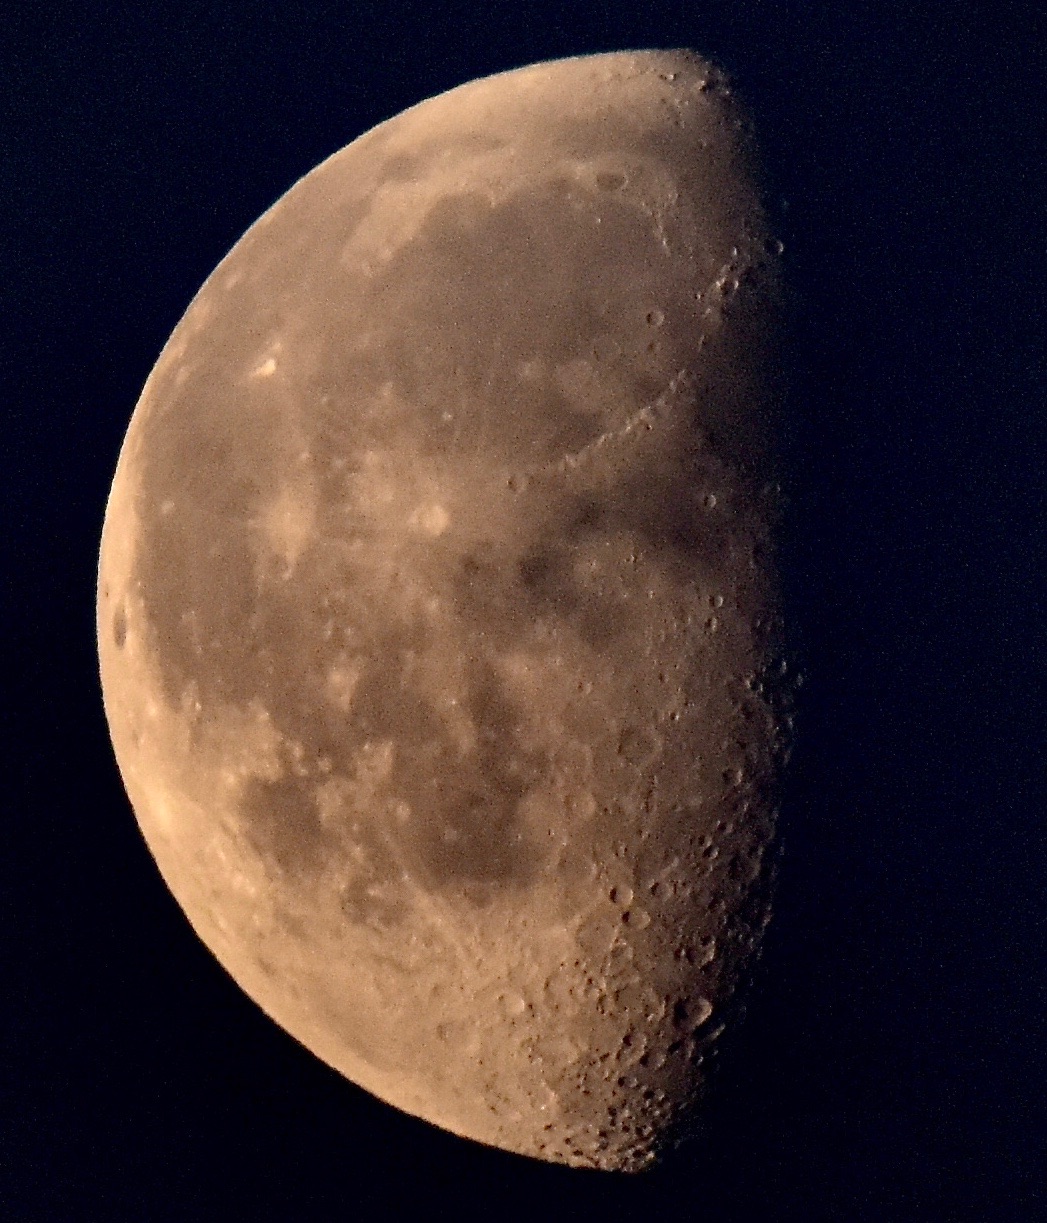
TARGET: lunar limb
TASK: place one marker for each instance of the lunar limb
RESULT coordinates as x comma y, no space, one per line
438,617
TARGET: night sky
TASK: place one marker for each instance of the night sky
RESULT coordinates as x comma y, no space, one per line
890,1066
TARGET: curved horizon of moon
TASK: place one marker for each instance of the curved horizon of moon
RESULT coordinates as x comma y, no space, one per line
438,619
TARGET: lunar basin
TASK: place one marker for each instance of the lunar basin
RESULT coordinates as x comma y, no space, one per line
438,618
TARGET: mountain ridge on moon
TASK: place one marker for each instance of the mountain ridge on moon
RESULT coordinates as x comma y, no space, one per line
438,619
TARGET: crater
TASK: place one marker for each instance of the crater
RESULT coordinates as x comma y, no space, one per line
450,284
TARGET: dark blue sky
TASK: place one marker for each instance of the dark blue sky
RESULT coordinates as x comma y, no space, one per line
891,1062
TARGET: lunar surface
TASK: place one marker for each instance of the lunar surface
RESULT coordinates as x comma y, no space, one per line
438,619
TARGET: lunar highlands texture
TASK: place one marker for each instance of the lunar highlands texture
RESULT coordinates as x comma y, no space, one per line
438,620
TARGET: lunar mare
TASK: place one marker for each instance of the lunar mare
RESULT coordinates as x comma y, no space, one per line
438,619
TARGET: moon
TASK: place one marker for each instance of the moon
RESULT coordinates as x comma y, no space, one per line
439,622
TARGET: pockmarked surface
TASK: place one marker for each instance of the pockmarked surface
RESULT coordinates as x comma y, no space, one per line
438,617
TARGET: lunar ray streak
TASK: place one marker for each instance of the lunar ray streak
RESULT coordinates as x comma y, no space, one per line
441,917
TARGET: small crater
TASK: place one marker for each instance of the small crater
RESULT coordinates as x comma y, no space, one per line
638,745
513,1004
700,1014
608,180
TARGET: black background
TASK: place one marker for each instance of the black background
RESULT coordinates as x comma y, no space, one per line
890,1066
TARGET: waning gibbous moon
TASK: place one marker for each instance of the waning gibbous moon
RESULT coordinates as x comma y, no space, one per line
438,618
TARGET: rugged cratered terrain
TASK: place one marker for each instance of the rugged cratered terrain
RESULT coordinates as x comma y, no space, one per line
437,609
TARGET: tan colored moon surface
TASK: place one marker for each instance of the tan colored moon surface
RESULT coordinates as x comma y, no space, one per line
437,605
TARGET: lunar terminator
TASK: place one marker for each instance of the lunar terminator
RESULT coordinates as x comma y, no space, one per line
438,617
